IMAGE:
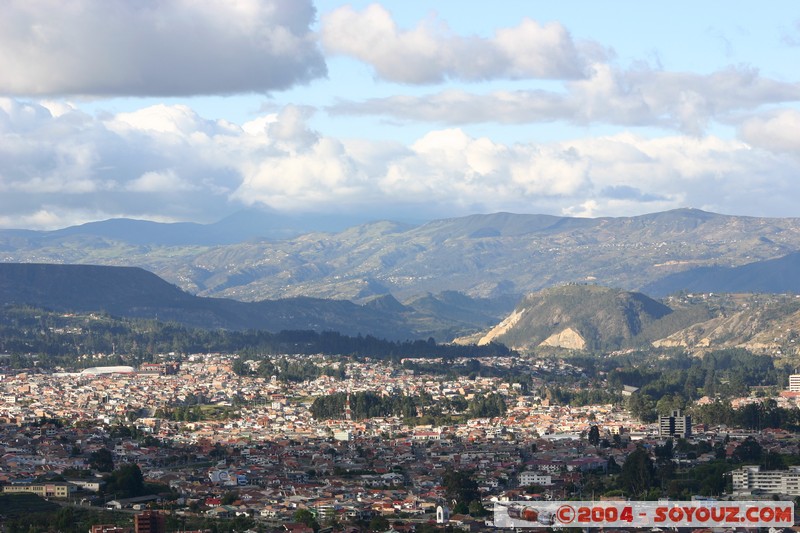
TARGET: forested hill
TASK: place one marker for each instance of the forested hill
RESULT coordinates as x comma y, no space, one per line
134,292
35,337
116,290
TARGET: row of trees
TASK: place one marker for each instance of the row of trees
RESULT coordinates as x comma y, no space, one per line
286,370
369,404
58,339
364,405
194,413
756,416
641,477
726,372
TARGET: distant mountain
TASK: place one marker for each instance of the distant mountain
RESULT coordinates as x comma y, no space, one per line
770,276
258,255
134,292
237,228
581,317
572,316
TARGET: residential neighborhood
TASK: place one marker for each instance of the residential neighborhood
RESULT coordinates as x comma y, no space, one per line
264,456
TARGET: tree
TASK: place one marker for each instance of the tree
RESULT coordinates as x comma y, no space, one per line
665,452
477,509
230,497
594,435
461,487
127,481
65,518
774,461
719,450
637,472
748,451
239,367
379,523
642,407
304,516
102,460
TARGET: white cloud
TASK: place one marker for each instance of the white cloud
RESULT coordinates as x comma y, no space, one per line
639,97
777,131
168,163
431,53
181,47
40,219
159,182
160,118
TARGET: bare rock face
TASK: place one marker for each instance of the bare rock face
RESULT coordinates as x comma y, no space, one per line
568,338
502,327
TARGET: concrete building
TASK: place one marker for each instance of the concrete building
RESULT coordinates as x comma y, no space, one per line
749,479
535,478
45,490
675,424
149,522
794,383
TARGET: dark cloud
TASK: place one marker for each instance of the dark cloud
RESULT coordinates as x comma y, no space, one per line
154,48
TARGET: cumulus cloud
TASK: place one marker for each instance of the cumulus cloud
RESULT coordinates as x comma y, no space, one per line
72,167
637,97
168,163
432,53
181,47
159,182
776,131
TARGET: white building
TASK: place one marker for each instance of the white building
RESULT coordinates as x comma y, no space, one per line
751,478
794,383
343,435
535,478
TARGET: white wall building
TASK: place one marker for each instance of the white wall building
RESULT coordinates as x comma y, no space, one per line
751,478
535,478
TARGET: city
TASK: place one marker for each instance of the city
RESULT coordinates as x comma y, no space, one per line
261,454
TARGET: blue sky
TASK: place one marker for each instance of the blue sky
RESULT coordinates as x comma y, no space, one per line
178,111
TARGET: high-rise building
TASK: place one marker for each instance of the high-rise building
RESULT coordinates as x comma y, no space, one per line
794,383
675,424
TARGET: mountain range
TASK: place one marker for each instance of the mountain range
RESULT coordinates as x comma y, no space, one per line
524,280
255,256
136,293
572,316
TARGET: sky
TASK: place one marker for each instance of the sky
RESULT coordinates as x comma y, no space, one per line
182,110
